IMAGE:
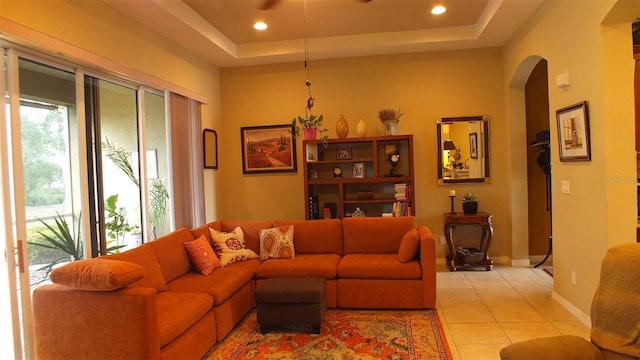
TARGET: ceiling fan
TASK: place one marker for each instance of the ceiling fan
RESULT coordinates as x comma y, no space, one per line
270,4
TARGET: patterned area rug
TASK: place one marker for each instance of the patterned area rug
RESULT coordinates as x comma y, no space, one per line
549,270
345,334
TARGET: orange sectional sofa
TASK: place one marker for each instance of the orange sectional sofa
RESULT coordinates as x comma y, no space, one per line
151,303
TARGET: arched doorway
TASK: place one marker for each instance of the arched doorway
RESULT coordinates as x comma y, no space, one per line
536,93
529,107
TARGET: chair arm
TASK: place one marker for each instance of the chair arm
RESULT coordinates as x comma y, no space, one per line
428,265
78,324
566,347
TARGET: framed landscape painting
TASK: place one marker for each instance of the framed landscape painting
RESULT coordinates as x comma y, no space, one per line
267,149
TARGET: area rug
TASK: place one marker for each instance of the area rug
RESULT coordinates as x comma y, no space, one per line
548,270
345,334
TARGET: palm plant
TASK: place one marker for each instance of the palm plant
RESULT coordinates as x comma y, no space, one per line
158,193
59,238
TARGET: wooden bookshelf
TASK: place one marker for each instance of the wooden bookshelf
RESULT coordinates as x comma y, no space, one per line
365,179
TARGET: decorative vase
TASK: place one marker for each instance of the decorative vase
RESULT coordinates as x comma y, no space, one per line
310,133
342,127
470,207
361,129
358,213
391,126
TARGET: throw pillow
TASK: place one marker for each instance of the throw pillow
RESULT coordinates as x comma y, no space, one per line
202,255
230,247
97,274
409,246
277,243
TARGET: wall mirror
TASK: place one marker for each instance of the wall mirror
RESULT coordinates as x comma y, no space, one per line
210,147
463,149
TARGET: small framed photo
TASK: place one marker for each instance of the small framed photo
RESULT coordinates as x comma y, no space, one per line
573,133
343,153
473,145
358,170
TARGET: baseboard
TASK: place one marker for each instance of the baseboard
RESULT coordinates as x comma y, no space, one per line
537,258
582,317
521,262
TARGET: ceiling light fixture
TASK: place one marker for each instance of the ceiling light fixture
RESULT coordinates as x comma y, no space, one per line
438,10
260,26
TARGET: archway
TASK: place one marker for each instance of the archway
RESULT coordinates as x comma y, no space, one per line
521,136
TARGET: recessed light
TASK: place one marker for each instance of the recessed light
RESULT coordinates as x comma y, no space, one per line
439,9
260,26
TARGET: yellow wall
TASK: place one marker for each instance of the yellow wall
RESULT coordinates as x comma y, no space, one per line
425,86
600,210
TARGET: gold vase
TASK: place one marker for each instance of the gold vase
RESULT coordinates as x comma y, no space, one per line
361,128
342,127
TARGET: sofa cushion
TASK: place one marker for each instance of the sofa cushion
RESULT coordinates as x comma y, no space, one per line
221,284
317,236
202,255
145,257
230,247
204,230
375,235
303,265
97,274
178,311
251,230
277,243
172,256
409,246
377,266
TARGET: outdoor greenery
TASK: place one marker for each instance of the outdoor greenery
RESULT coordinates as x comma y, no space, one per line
58,239
158,193
43,142
116,223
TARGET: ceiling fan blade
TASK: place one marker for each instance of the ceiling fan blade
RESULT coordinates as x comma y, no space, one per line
269,4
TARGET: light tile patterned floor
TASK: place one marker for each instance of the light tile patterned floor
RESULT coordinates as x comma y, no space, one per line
483,311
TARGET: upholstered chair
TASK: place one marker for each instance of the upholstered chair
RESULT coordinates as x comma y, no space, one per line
615,317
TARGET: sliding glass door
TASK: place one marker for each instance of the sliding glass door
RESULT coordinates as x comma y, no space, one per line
70,178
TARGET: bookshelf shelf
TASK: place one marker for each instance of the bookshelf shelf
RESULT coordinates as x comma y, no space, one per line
356,173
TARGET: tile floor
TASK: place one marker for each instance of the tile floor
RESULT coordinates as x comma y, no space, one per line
483,311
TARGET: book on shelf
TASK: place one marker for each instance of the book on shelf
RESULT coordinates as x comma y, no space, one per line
314,207
402,191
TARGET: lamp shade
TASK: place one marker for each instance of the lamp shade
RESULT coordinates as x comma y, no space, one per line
449,145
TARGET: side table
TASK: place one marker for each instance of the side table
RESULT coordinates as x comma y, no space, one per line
457,260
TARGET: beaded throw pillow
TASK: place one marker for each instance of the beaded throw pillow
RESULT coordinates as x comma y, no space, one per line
230,247
277,243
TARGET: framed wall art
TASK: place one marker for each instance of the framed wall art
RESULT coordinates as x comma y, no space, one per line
268,149
473,145
573,132
210,148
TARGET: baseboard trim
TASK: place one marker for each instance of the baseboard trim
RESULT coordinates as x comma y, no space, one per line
521,262
582,317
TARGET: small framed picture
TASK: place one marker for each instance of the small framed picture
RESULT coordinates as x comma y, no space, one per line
358,170
343,153
573,133
473,145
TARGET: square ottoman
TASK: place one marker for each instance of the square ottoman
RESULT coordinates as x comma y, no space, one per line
291,301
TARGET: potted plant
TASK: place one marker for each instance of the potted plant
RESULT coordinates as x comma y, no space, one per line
390,118
310,127
469,203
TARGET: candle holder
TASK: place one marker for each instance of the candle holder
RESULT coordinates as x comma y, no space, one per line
452,209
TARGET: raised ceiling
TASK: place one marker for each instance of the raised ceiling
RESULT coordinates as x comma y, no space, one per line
221,30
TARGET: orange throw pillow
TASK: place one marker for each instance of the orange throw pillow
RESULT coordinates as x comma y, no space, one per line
409,246
202,255
97,274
